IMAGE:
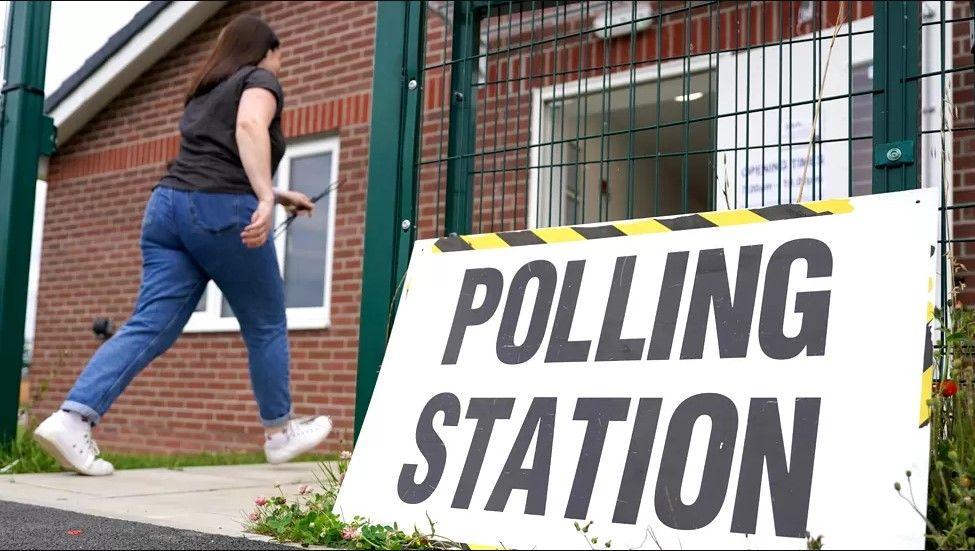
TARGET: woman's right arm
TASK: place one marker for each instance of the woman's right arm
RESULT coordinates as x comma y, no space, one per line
254,115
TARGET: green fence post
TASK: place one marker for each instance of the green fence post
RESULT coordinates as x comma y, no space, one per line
897,60
392,187
22,133
460,146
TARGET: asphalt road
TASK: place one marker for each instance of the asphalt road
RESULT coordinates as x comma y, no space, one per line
31,527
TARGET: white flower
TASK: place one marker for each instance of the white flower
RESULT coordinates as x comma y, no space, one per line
346,455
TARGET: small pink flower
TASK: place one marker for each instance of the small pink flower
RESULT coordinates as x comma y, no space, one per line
346,455
254,517
303,489
261,501
350,533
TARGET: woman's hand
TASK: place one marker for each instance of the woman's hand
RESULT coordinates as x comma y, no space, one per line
294,202
256,233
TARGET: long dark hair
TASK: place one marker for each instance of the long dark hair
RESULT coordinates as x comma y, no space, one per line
244,41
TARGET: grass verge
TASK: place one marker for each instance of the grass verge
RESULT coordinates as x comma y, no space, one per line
25,456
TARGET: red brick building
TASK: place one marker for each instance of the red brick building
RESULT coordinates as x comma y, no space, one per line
118,128
197,396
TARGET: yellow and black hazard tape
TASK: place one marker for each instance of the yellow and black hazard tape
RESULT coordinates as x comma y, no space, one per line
563,234
927,369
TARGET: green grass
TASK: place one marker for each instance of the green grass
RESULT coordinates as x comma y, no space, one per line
30,458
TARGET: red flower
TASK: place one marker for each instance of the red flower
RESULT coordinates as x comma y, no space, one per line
948,388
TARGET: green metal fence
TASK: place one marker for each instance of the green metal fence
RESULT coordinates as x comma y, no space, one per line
25,135
504,115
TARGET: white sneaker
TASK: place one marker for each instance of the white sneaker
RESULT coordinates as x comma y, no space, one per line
300,436
67,437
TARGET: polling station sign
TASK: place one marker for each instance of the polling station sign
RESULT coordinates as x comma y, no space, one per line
722,380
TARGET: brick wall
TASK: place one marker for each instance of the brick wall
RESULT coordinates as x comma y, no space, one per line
197,396
564,54
963,161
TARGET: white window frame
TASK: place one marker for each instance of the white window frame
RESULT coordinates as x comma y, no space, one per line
34,277
545,96
319,317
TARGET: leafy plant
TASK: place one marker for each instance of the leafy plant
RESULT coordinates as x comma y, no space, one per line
309,520
950,513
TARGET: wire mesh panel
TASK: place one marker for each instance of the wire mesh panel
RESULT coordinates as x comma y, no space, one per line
595,111
561,113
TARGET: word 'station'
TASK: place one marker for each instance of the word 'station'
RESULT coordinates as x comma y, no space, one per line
693,385
790,484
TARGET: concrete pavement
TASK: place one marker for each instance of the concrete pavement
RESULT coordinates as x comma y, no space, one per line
212,500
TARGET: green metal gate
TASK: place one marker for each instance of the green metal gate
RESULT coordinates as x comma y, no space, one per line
494,116
25,135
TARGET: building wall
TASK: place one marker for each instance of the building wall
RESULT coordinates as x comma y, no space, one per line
197,396
562,54
963,151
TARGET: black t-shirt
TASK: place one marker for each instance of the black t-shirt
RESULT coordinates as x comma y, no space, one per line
208,159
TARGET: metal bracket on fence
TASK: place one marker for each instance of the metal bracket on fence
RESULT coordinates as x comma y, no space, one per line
892,154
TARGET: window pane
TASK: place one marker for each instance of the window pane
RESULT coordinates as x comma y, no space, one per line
225,310
575,184
304,259
202,305
862,127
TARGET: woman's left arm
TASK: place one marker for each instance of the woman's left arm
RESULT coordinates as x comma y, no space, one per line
254,115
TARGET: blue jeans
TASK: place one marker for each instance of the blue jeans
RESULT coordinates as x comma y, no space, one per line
189,238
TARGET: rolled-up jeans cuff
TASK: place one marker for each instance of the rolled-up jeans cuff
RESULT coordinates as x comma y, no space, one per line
82,410
276,423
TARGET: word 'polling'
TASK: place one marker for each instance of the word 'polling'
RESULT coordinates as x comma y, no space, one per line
710,290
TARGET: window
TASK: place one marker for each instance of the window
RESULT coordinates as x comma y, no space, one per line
584,173
37,242
304,250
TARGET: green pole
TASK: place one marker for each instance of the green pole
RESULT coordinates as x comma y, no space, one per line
460,146
392,192
22,139
897,62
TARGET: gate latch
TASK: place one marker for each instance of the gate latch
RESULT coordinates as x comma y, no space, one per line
893,154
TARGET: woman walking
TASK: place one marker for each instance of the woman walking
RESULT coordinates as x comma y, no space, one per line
208,219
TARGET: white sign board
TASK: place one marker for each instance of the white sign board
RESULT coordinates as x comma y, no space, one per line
724,380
